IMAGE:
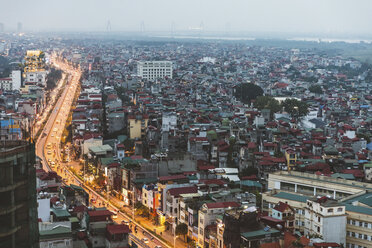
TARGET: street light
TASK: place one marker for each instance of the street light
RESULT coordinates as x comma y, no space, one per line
174,240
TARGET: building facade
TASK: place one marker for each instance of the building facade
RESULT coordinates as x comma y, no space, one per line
18,211
152,70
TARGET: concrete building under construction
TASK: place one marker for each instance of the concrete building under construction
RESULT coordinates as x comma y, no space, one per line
18,205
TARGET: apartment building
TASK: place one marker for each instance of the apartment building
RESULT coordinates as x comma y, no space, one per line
137,126
354,196
152,70
18,212
208,215
315,185
325,218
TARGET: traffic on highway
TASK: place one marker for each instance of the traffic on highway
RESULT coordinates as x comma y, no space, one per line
48,148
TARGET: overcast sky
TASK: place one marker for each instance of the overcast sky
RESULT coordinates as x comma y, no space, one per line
279,16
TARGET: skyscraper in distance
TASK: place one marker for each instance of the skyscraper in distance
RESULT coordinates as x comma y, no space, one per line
19,27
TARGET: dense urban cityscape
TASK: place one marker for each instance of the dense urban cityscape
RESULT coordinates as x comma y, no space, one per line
110,140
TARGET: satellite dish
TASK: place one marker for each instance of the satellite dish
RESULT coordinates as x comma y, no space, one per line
279,226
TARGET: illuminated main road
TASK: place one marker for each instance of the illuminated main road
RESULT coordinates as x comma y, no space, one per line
48,149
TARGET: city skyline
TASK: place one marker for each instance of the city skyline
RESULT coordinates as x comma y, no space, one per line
288,17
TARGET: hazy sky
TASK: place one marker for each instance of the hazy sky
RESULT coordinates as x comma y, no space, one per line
289,16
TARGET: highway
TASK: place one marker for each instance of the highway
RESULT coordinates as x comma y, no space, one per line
48,149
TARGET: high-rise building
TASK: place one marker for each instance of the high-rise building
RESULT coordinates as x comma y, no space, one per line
34,70
19,27
1,27
34,61
18,206
152,70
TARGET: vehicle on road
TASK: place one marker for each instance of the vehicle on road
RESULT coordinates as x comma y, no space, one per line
49,152
145,240
125,222
93,200
158,246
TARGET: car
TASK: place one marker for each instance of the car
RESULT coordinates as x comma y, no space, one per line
52,135
145,240
125,222
49,152
158,246
93,200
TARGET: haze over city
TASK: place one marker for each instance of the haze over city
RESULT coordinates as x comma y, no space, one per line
249,17
185,124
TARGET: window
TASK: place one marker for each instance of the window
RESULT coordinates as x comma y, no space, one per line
339,209
318,229
360,223
201,231
330,210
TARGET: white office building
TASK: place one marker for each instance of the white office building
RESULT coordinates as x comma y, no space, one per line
152,70
325,218
16,79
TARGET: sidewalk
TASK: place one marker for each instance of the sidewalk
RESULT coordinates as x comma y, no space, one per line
147,224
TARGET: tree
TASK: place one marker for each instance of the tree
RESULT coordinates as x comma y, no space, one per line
246,92
316,89
53,77
258,198
181,229
295,107
248,171
142,210
267,102
156,220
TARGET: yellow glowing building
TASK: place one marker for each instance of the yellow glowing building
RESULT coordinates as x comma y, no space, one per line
34,61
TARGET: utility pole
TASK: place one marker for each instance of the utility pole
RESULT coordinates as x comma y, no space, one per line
133,203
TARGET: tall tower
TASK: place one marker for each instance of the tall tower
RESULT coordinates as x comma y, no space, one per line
201,29
173,29
1,27
142,28
108,26
19,27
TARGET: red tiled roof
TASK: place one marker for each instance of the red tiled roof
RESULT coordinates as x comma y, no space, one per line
326,245
251,145
219,182
79,209
281,206
192,139
100,213
271,245
183,190
117,229
223,205
173,177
